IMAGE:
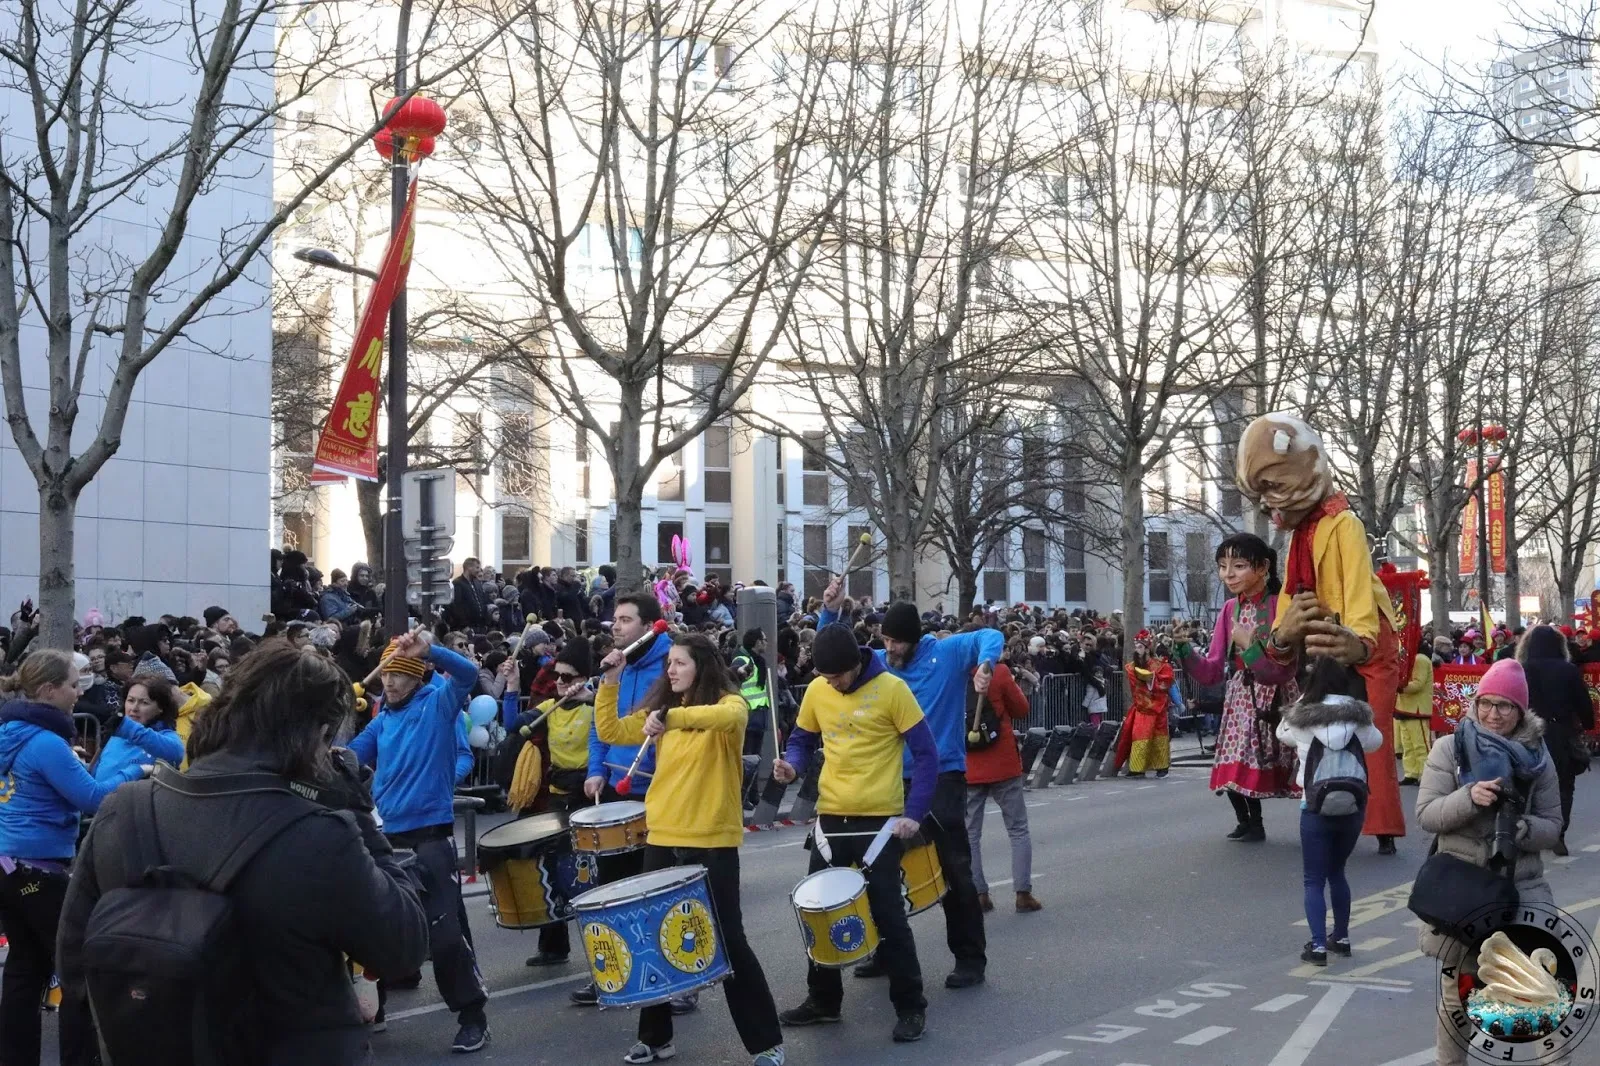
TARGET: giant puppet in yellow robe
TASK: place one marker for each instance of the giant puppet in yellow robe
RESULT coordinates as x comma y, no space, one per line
1332,601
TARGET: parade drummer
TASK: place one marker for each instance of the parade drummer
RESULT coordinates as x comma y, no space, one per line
696,720
868,718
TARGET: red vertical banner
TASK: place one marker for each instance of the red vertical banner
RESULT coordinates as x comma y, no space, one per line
1469,522
1497,517
348,446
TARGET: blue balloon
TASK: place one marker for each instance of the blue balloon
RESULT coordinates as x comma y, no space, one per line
482,710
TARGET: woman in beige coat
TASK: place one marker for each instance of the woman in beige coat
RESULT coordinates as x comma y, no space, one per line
1462,804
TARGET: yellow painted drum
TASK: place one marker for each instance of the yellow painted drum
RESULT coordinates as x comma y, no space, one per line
835,922
608,829
532,871
921,877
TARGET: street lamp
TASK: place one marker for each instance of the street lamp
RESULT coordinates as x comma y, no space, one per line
321,257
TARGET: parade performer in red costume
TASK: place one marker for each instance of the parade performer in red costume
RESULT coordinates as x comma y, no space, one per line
1144,743
1332,602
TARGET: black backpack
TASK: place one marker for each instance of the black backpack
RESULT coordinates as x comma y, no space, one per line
983,721
167,974
1336,779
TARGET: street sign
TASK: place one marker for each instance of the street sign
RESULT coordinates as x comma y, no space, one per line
441,546
438,571
444,502
414,593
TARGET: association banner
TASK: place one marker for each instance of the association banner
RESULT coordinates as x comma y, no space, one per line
1456,686
1469,522
349,442
1497,517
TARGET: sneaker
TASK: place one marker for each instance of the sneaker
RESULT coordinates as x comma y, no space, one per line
964,977
908,1027
472,1036
1340,946
1160,774
1132,775
807,1013
685,1004
642,1052
985,904
544,958
1314,955
379,1024
871,968
1026,903
587,996
1408,781
773,1056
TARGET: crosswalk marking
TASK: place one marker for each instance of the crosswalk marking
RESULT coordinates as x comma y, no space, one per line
1277,1003
1374,943
1041,1059
1384,964
1204,1036
1591,848
1421,1058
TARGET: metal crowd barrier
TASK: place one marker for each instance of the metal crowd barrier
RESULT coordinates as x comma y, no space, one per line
1059,701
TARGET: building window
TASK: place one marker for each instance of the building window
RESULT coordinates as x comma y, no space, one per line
861,582
783,550
665,531
718,461
996,578
1158,567
1035,582
719,559
669,481
1035,470
469,440
779,479
815,547
858,458
516,538
580,538
815,465
1076,566
580,454
1198,565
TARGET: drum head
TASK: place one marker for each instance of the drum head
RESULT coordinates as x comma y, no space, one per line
829,888
607,813
522,831
650,884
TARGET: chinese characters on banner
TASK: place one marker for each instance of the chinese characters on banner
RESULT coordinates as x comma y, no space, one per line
1497,517
1456,686
349,442
1469,522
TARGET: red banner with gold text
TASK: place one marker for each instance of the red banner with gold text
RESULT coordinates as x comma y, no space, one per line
349,442
1497,517
1455,687
1469,522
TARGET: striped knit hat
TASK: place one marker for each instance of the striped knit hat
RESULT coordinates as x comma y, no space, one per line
402,664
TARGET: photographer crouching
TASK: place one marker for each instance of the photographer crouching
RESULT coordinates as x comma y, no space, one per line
210,913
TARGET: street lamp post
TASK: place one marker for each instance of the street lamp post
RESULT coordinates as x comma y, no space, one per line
394,555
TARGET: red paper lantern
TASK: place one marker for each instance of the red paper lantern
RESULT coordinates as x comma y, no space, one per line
384,143
1495,433
410,126
1467,436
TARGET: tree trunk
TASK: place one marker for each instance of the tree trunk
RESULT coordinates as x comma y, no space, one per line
58,513
902,557
966,588
1439,562
1133,547
369,497
627,531
1567,589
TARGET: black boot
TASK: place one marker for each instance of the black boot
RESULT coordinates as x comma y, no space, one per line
1255,832
1239,831
1386,845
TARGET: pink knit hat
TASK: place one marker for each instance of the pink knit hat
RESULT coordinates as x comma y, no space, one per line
1506,680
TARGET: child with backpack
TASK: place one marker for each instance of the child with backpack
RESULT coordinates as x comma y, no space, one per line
1331,732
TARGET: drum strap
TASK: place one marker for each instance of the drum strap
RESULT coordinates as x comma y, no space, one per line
880,838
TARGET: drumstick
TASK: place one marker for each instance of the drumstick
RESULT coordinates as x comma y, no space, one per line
854,560
381,667
625,786
659,626
522,637
879,839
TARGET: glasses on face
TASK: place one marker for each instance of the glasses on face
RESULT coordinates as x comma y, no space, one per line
567,679
1497,707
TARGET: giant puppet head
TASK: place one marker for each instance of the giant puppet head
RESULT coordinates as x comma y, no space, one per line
1283,468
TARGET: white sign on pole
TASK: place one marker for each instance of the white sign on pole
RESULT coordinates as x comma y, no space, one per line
444,502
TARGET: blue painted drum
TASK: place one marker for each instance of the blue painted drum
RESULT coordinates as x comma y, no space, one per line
652,937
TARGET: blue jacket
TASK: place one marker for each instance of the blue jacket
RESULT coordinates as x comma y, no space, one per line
413,747
336,604
43,785
637,677
464,754
939,674
134,745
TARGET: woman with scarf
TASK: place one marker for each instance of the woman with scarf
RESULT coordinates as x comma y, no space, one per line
1252,765
1501,805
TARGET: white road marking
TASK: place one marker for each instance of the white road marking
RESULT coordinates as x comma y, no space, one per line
1204,1036
1303,1041
1565,861
1109,1034
1069,799
1383,964
1031,805
1141,788
1277,1003
1591,848
431,1008
1113,792
1374,943
1421,1058
1048,1056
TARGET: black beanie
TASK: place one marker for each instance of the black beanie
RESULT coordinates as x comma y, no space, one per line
835,651
212,614
901,622
576,654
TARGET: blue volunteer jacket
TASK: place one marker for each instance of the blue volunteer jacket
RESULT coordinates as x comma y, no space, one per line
637,677
135,745
414,747
939,673
43,784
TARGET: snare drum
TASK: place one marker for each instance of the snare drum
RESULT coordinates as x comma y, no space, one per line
532,873
835,921
652,937
921,877
608,828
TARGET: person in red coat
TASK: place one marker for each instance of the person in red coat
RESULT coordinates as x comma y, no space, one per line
994,770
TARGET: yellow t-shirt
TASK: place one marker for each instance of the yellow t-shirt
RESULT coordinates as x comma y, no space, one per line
693,800
568,732
861,735
1346,582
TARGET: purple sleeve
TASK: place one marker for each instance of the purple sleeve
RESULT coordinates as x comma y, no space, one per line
924,770
802,745
1207,669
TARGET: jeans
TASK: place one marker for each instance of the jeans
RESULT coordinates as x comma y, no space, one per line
755,1016
1325,845
897,950
1010,797
455,964
30,909
946,826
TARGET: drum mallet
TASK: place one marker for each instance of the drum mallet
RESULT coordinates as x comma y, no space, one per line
864,544
657,627
381,667
625,786
522,638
